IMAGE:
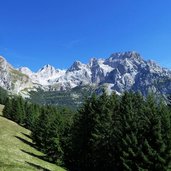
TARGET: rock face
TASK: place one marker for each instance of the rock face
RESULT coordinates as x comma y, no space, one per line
120,72
12,79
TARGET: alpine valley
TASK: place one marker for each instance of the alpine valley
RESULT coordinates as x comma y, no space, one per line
120,72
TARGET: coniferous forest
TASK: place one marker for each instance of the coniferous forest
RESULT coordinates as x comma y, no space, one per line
108,132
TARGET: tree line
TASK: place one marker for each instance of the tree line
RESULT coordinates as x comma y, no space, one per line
3,95
47,123
127,132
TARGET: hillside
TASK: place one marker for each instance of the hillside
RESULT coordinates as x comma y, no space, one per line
17,151
68,98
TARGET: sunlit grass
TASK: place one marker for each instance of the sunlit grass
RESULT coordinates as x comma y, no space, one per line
16,149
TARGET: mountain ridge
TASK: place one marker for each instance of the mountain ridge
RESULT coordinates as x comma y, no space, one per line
120,72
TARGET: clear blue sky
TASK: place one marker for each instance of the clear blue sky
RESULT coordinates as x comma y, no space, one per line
58,32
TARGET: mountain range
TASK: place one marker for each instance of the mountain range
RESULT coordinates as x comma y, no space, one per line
120,72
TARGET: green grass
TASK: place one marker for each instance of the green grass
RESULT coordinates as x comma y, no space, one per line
1,108
16,149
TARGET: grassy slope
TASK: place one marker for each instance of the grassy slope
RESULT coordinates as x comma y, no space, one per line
16,151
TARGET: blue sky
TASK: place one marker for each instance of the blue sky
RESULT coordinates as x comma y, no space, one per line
58,32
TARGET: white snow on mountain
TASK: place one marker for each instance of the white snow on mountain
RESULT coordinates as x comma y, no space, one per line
120,72
26,71
45,76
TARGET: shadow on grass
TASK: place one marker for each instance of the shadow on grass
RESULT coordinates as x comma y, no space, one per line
42,157
37,166
25,141
28,136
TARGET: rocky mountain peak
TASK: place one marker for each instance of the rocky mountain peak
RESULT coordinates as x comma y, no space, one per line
93,62
2,59
46,68
125,55
4,65
121,71
77,65
25,70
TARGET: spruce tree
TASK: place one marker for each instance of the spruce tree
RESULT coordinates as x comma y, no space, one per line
7,111
81,135
91,138
32,113
53,146
42,123
143,134
47,134
156,136
102,147
3,95
126,131
18,112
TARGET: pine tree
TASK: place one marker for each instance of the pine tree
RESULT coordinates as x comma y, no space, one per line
7,111
22,110
81,135
102,147
143,134
47,134
53,147
32,113
39,135
126,131
18,112
157,136
91,138
3,95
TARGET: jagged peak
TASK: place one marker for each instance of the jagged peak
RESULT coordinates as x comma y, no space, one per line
76,66
124,55
95,61
4,63
77,63
122,71
46,67
25,70
153,64
2,58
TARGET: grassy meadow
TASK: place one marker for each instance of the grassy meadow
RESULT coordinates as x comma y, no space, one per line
16,149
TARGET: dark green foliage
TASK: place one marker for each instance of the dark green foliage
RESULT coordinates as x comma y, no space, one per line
3,95
110,133
127,133
157,136
20,111
40,128
53,148
126,130
48,132
66,98
32,112
47,124
91,135
14,109
8,108
143,134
